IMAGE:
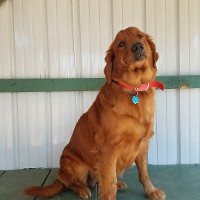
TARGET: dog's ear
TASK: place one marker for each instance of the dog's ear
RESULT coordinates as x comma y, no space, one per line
109,64
155,54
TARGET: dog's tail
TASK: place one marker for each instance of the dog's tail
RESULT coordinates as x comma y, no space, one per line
47,191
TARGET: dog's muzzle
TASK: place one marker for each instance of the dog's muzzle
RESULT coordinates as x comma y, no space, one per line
139,52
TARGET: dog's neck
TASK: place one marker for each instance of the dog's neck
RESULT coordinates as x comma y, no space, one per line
142,87
134,91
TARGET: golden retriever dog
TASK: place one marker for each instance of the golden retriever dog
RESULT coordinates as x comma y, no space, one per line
115,131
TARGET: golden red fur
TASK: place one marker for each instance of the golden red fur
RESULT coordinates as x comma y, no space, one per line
114,133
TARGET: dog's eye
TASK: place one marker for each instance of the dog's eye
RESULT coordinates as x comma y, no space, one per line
121,44
139,35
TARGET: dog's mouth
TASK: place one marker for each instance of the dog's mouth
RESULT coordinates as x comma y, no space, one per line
140,56
137,60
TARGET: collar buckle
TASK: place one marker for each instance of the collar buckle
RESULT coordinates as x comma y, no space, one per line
143,87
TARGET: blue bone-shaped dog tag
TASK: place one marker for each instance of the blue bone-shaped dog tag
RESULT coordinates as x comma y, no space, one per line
135,99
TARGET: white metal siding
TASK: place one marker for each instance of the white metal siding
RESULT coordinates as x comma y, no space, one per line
69,38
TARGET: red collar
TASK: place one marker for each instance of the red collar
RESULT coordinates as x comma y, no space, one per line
143,87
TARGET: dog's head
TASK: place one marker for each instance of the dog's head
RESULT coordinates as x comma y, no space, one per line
131,58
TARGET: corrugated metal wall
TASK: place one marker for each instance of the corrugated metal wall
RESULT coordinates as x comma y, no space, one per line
68,38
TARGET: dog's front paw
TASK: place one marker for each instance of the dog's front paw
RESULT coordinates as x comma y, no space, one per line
156,195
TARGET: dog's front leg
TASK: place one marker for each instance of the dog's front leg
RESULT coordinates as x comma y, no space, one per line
107,179
141,162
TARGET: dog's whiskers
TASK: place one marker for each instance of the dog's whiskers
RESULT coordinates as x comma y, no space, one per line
124,62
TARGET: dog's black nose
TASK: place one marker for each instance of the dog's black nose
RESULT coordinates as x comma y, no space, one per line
138,47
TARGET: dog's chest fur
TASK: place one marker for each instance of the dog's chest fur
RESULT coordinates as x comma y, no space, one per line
122,105
130,124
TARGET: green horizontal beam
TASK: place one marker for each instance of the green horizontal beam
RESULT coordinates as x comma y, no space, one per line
180,82
85,84
50,85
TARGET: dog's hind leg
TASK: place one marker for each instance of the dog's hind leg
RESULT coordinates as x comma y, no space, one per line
81,191
74,176
121,185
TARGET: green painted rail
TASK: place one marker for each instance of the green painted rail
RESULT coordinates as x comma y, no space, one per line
85,84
